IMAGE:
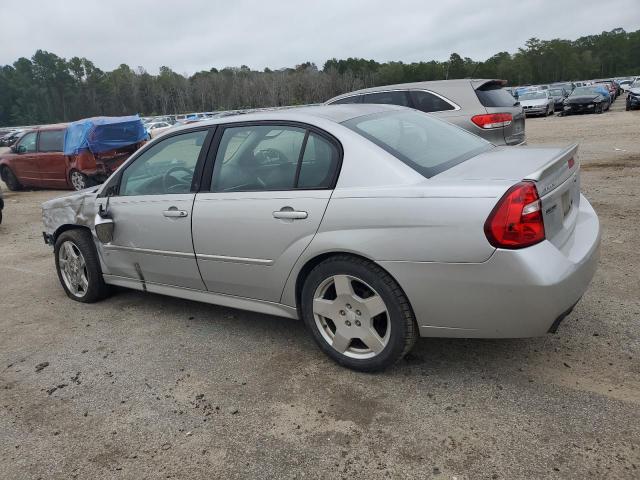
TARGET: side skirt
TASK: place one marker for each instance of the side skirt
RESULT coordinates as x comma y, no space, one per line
241,303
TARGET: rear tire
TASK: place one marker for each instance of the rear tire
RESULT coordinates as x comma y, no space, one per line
78,266
10,179
357,313
79,181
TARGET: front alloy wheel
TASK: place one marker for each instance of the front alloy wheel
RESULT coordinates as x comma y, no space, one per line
73,269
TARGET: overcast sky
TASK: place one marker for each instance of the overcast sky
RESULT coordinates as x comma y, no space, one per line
193,35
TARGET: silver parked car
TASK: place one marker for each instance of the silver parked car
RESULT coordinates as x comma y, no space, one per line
537,102
375,224
483,107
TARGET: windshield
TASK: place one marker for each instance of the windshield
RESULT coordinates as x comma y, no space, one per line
584,91
426,144
556,92
533,96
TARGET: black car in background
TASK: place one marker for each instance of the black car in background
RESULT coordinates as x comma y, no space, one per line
10,138
633,97
585,100
558,94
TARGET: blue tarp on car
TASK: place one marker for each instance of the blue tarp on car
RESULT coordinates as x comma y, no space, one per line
101,134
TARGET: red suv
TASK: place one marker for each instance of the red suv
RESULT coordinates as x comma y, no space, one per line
37,159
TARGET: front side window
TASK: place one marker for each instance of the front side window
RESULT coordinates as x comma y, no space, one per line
388,98
426,144
272,157
51,140
28,142
165,168
428,102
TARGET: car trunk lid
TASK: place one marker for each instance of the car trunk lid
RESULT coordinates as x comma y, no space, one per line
555,172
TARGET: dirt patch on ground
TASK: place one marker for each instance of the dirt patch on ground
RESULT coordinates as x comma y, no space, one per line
157,387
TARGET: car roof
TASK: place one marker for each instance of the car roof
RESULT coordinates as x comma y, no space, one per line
307,114
434,84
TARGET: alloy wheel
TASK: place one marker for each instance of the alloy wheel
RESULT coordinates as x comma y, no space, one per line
351,316
73,268
78,180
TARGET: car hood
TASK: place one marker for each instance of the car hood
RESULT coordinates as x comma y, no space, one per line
635,90
533,103
582,99
77,208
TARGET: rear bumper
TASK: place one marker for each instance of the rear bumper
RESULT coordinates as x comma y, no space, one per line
516,293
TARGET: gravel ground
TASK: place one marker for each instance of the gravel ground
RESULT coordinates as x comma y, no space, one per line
145,386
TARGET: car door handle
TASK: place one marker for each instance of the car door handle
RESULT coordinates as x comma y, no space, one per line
174,212
288,213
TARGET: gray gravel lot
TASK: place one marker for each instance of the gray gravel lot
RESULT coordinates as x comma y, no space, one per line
145,386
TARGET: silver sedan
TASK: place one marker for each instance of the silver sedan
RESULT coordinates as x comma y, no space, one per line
375,224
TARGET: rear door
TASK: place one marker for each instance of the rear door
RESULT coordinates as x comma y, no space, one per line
51,161
270,184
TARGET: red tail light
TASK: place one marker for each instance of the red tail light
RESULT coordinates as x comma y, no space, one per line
493,120
516,221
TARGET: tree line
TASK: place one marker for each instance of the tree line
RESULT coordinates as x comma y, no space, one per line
47,88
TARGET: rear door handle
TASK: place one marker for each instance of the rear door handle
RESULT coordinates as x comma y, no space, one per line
288,213
174,212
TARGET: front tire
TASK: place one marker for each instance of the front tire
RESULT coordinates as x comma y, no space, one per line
358,314
10,179
78,266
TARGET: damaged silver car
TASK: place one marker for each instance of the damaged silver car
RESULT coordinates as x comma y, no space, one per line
375,224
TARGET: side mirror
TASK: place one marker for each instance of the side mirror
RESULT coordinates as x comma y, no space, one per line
104,224
104,228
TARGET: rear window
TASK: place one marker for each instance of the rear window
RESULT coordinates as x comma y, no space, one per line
426,144
495,96
51,140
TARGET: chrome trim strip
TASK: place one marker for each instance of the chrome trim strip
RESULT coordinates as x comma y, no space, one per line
450,102
223,258
149,251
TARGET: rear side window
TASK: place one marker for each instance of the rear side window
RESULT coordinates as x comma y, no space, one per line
346,100
495,96
51,141
426,144
428,102
319,163
388,98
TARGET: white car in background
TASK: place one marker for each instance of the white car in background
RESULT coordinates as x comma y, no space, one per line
537,102
157,128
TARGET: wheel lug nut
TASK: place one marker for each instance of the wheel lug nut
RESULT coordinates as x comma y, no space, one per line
343,313
358,312
358,323
349,306
347,323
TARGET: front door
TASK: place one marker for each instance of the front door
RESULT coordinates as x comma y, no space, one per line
152,214
269,190
25,165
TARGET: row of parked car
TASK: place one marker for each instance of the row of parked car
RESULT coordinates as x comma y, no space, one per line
40,157
588,96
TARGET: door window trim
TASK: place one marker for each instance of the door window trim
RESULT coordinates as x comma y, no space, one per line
408,92
207,174
115,181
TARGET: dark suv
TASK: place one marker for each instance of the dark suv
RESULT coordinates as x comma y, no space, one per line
482,107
